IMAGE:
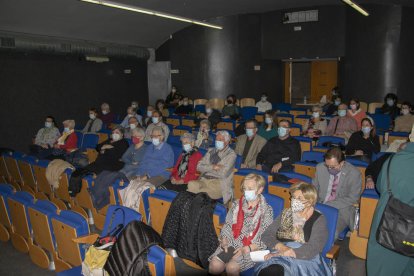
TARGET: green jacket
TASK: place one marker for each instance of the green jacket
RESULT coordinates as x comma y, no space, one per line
381,261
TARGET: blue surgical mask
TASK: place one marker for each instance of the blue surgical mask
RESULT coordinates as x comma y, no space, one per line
187,147
250,195
282,131
390,102
66,129
156,141
155,120
342,113
366,130
249,132
149,113
268,120
337,103
219,145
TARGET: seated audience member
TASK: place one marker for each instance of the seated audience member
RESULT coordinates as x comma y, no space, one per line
342,125
185,108
356,112
148,116
134,155
204,139
161,107
107,117
135,105
173,97
131,112
268,129
213,115
263,105
246,221
216,169
249,145
315,126
185,168
390,106
94,124
296,237
110,153
132,124
331,109
339,185
158,157
364,142
373,170
279,153
231,110
156,121
46,137
66,143
405,122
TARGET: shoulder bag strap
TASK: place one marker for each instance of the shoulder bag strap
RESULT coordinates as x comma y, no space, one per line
388,175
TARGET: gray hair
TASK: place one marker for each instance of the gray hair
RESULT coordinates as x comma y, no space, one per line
159,129
139,131
225,134
207,122
188,136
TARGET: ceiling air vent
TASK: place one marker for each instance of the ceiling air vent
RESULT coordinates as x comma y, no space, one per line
7,42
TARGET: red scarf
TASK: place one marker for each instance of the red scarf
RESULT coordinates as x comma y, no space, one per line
237,227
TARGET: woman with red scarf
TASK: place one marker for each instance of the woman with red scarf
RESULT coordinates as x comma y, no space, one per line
247,219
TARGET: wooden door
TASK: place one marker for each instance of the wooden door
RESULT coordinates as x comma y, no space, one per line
324,77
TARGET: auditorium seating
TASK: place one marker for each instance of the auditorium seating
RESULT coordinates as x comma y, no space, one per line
5,220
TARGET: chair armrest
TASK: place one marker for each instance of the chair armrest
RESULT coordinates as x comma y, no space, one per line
88,239
333,252
169,169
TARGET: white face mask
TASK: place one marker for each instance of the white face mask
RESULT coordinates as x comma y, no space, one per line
249,132
209,110
187,147
405,111
116,136
66,129
155,120
366,130
281,131
132,126
185,103
296,205
149,113
156,141
92,116
342,113
134,106
390,102
315,114
264,99
268,120
250,195
104,112
353,106
219,145
48,124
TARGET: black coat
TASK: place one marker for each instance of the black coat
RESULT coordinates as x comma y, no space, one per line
358,142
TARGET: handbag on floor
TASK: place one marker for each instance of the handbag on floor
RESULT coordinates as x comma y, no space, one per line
396,229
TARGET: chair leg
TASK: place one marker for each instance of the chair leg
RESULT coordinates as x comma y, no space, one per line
19,243
39,256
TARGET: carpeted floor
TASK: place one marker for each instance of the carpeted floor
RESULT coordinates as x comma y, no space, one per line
13,262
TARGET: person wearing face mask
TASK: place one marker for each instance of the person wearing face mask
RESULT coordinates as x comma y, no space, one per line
211,114
315,126
296,237
216,168
158,157
249,145
173,97
339,185
161,107
263,105
342,125
131,113
107,116
364,143
185,108
279,153
268,129
185,168
148,116
231,110
66,143
405,122
94,124
46,137
204,139
110,153
332,107
134,155
246,221
132,124
356,112
135,106
156,121
390,106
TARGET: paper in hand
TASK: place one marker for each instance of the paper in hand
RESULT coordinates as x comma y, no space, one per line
258,256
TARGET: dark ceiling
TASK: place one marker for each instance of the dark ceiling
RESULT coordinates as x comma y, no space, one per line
78,20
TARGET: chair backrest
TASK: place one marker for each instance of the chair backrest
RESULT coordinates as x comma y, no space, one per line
363,106
305,143
26,171
13,168
226,124
79,135
159,204
382,121
90,141
248,112
177,149
119,215
297,111
301,177
200,108
39,169
277,204
200,102
295,129
316,156
18,204
239,161
180,130
174,140
188,121
373,106
282,106
301,120
5,191
357,162
174,120
62,192
284,116
247,102
217,103
160,263
331,216
392,136
332,139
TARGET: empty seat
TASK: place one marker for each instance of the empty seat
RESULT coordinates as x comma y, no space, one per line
305,143
5,221
173,120
247,102
248,112
180,130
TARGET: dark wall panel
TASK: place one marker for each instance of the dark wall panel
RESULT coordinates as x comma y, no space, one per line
325,38
34,85
406,56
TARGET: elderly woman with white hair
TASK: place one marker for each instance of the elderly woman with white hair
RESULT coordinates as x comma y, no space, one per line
134,155
242,233
185,168
66,143
216,169
315,126
204,139
107,116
